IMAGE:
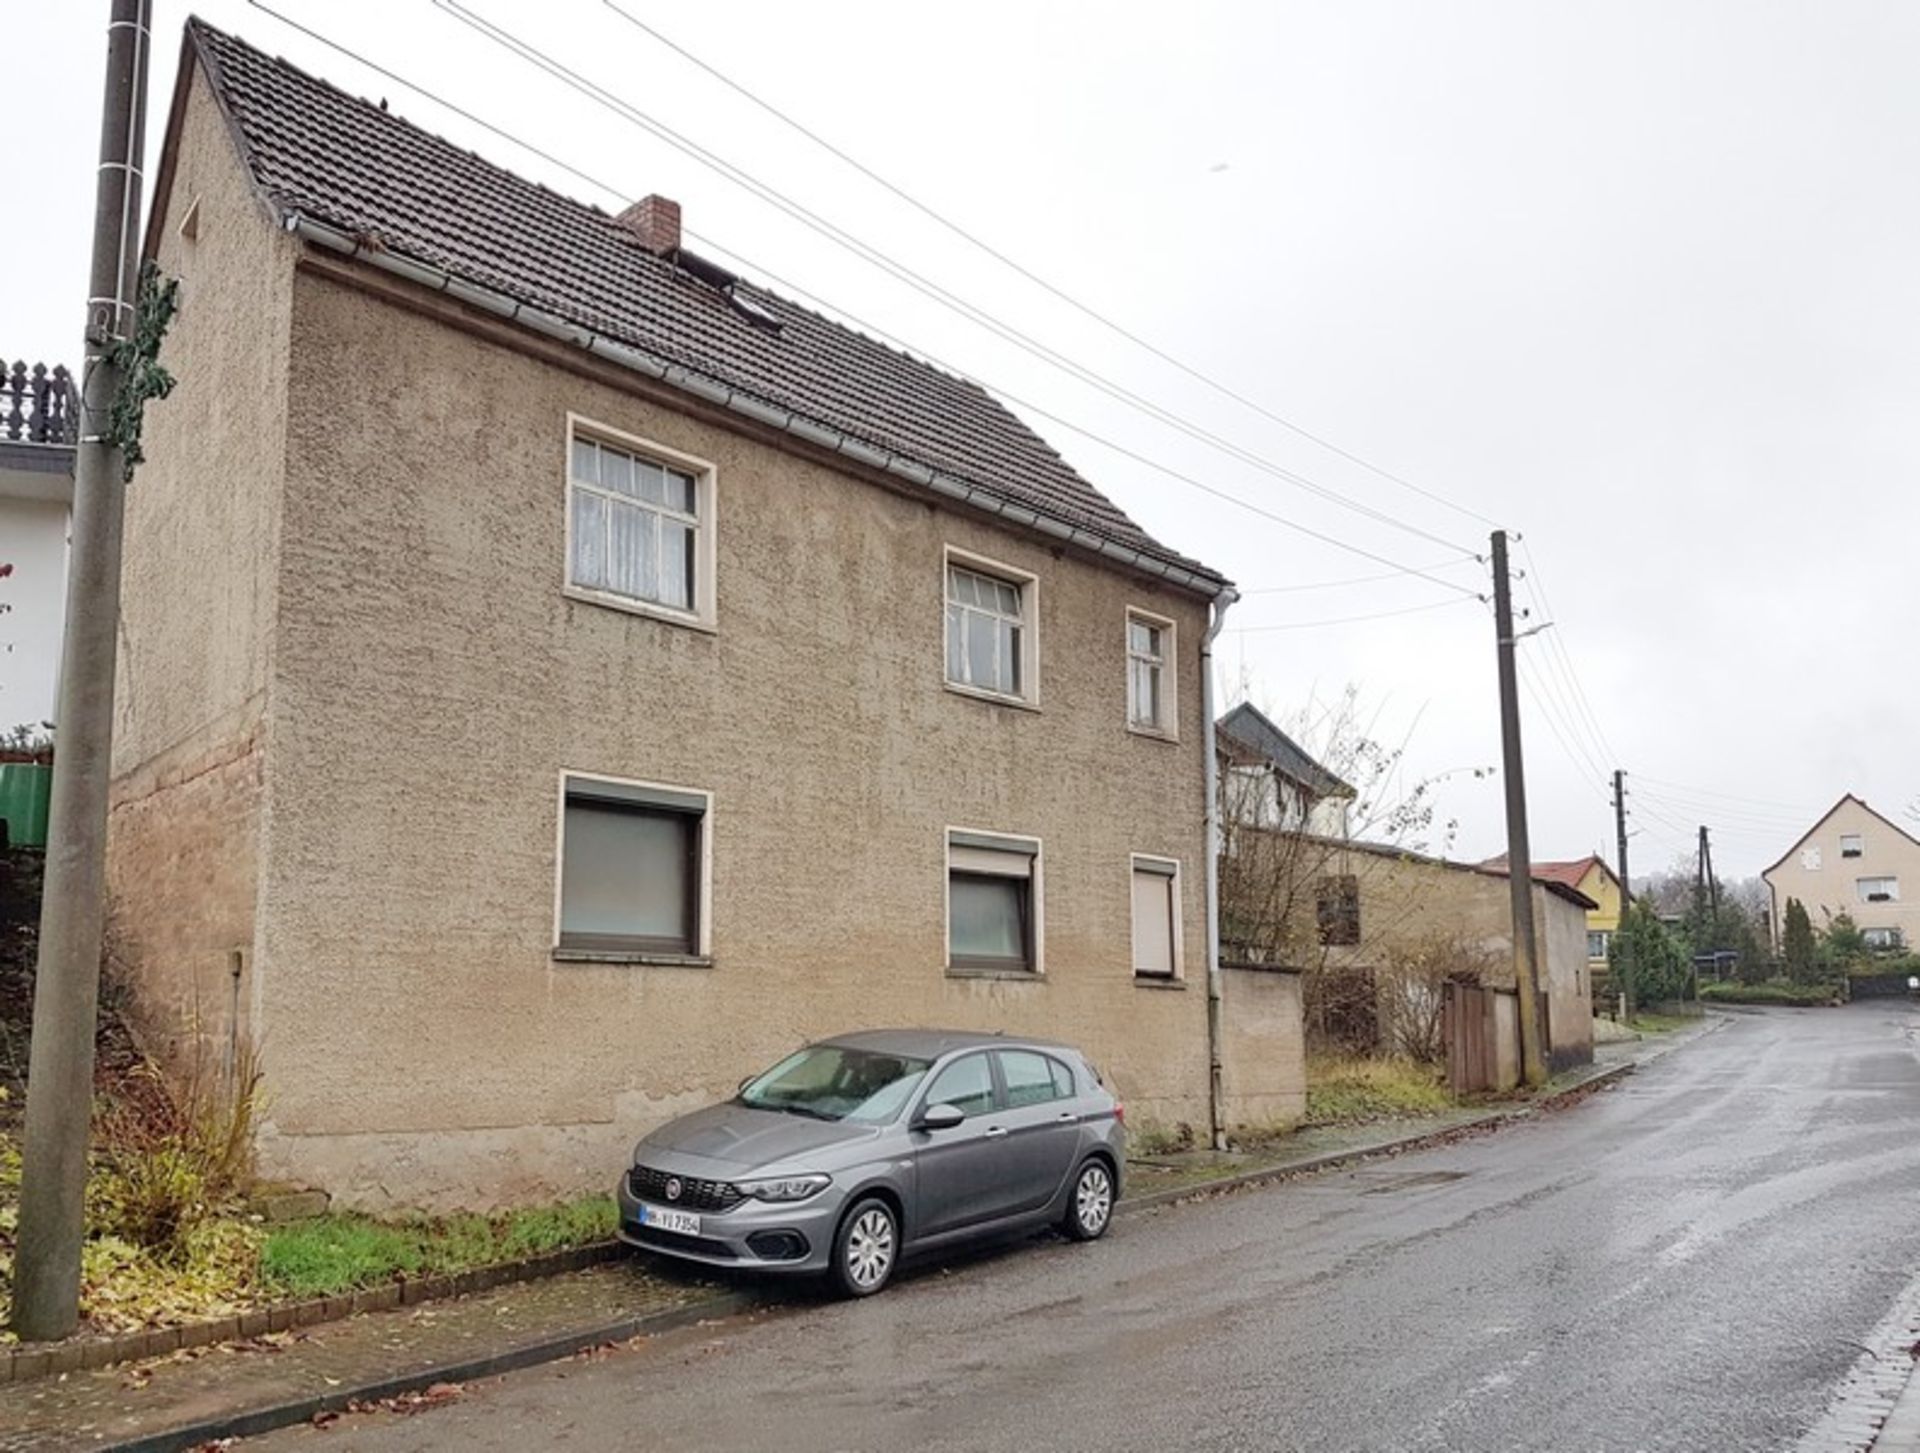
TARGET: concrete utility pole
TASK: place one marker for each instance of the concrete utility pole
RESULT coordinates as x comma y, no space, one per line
1626,894
66,991
1526,975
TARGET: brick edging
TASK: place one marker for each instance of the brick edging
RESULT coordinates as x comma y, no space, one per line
23,1363
1392,1146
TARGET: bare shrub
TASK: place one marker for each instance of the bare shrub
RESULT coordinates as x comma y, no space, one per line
1412,985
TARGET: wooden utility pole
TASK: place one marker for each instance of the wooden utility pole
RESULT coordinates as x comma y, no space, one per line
66,990
1626,893
1526,975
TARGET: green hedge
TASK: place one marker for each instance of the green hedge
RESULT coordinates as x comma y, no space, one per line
1776,991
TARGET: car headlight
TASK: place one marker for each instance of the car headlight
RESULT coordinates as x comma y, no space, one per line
784,1188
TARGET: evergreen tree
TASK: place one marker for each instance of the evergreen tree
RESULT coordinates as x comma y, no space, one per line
1797,946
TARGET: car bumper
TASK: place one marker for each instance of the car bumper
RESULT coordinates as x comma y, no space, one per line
752,1236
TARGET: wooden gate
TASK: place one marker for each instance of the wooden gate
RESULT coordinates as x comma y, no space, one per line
1468,1020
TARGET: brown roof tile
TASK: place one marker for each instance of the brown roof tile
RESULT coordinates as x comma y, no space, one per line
316,151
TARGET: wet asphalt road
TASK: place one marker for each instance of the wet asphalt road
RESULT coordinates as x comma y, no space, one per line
1689,1260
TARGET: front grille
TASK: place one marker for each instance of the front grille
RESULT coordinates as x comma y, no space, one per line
674,1241
695,1194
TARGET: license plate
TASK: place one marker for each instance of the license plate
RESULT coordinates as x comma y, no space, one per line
683,1222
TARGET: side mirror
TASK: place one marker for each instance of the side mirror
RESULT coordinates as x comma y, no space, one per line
939,1117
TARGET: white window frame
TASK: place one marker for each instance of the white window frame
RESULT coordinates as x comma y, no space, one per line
1853,845
992,841
704,616
703,929
1028,585
1605,935
1892,888
1881,938
1175,906
1167,728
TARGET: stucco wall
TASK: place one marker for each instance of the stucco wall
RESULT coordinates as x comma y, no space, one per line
1506,1040
197,609
1406,902
431,683
1263,1076
1833,886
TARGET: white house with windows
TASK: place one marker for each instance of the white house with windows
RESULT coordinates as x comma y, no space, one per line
1269,781
1855,861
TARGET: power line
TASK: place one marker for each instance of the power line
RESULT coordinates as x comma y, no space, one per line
1378,615
1796,807
1576,750
1001,257
1339,584
874,256
1580,771
1537,587
1396,568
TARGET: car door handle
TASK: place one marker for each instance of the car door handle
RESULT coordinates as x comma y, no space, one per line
994,1132
1067,1117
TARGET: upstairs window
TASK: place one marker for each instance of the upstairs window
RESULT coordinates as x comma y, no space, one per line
1598,940
1338,910
1879,890
1851,845
990,637
1149,673
639,529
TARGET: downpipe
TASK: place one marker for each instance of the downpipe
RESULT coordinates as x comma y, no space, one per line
1216,1099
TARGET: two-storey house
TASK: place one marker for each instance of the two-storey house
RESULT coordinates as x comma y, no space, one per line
1852,861
560,677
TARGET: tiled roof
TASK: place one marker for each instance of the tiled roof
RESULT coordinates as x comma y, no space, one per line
1253,732
314,150
1568,873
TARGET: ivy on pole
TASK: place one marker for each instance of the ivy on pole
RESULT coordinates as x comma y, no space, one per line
138,358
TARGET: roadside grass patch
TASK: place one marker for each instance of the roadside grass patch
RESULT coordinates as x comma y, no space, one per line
1355,1089
1773,991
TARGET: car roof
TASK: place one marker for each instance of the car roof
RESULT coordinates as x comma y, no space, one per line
932,1043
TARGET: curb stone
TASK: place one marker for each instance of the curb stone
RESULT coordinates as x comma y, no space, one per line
27,1363
550,1349
1390,1146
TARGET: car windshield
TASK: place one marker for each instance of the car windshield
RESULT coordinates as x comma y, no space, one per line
835,1082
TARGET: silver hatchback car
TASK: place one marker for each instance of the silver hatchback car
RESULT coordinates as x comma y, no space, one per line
855,1151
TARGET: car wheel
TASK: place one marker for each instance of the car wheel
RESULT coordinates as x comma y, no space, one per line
866,1248
1090,1208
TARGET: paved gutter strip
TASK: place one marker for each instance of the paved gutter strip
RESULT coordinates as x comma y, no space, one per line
531,1354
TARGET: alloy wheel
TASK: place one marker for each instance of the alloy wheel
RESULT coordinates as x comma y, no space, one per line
1093,1199
870,1248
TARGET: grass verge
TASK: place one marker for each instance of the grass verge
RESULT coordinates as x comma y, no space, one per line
1353,1090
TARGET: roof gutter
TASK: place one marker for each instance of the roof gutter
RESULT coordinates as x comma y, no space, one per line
745,405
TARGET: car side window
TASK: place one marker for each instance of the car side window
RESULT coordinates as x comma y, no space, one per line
1032,1079
1063,1085
966,1084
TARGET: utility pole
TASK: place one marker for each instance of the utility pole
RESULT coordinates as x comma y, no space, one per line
1626,893
1526,976
66,991
1713,884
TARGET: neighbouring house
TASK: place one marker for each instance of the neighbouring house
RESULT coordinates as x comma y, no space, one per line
1374,928
38,417
1270,781
561,676
1852,861
1589,875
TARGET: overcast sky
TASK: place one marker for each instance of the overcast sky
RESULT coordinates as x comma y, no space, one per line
1637,281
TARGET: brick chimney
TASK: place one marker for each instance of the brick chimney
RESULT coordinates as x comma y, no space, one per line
655,220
